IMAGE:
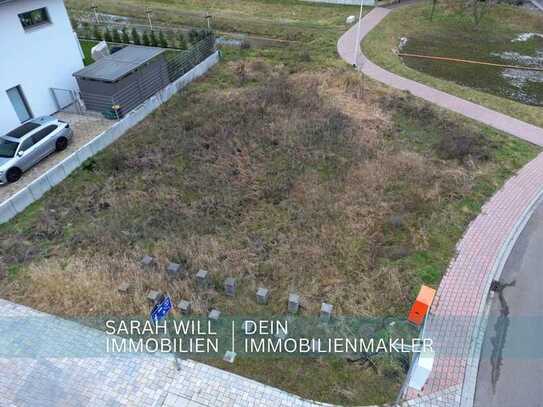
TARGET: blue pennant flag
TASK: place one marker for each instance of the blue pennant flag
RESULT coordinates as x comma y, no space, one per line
161,309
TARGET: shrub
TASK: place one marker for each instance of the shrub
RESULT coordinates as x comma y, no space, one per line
457,144
116,37
198,35
136,39
181,41
407,104
163,42
145,39
85,26
194,36
125,37
153,39
107,36
97,33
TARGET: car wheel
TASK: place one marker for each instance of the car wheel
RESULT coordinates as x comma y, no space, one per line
61,144
13,174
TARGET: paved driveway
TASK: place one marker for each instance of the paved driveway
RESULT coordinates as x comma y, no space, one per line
85,127
511,367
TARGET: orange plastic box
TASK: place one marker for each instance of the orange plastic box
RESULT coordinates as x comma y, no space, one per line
422,305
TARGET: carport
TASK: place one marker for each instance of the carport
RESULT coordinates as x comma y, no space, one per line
124,79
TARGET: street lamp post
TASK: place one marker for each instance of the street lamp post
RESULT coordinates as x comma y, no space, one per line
357,42
94,9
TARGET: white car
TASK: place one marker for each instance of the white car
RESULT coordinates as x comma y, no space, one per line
30,143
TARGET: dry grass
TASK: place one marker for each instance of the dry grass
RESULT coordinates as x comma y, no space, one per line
284,182
309,182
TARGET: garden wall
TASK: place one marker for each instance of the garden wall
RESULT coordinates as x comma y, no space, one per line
34,191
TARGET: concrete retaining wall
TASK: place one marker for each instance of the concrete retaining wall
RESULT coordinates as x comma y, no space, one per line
344,2
34,191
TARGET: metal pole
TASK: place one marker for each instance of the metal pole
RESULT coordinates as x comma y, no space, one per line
169,319
149,12
95,10
357,42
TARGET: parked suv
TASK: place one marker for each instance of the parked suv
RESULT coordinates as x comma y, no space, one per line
30,143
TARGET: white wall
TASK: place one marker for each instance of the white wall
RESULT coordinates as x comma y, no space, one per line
36,59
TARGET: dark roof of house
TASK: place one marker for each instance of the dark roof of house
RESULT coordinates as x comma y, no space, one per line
113,67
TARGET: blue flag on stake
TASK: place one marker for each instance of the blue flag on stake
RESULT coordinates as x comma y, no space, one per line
161,309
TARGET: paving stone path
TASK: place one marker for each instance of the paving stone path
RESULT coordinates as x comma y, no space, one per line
347,48
457,319
47,361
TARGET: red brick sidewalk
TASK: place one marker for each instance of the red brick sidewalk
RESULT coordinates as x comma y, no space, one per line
457,318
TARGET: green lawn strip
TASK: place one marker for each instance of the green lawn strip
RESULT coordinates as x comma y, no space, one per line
86,46
501,22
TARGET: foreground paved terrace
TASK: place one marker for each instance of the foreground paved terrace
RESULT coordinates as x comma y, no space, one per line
49,361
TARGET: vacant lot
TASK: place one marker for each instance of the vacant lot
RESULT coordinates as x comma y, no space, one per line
306,181
453,34
280,168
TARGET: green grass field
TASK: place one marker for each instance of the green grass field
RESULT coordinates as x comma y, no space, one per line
455,34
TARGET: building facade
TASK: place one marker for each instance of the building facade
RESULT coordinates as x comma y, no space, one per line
39,51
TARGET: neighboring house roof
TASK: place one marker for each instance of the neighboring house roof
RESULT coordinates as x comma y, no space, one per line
113,67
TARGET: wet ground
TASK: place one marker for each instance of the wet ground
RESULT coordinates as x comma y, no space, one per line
519,49
511,367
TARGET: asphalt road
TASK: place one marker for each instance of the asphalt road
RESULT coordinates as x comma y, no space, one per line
511,367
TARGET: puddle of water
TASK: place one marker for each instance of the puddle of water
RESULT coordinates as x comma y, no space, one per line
524,49
526,36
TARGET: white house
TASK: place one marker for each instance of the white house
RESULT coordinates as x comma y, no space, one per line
38,51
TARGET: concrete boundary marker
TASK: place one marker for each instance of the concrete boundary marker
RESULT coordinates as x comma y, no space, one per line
56,174
84,153
7,211
39,187
22,199
71,163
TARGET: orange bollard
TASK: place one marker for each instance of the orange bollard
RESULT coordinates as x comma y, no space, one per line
422,305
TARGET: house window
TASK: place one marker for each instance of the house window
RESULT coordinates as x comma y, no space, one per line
34,18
